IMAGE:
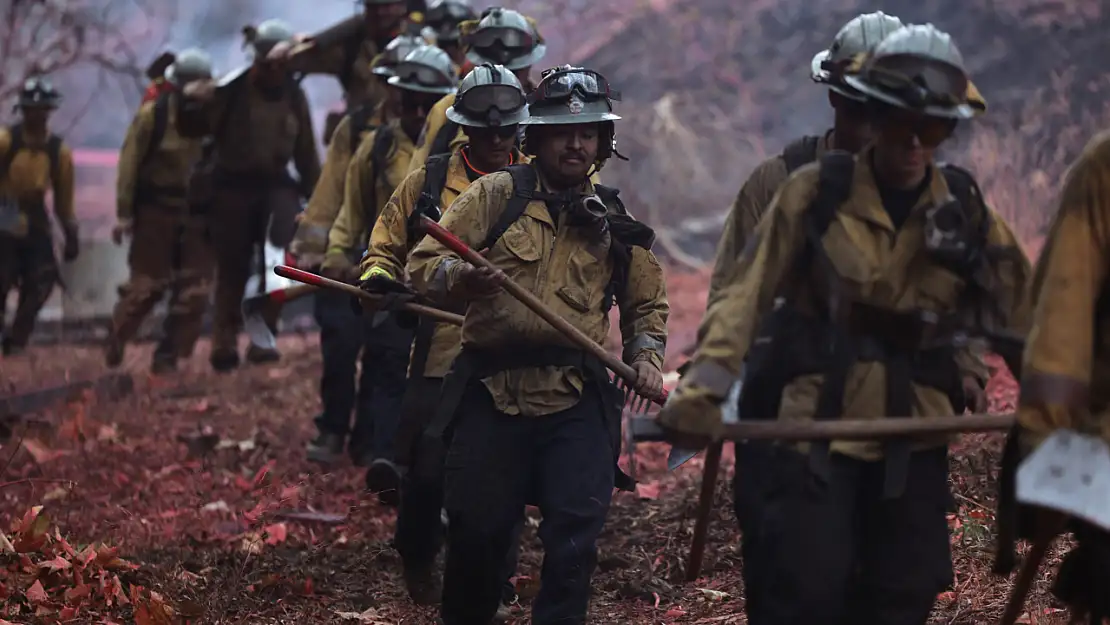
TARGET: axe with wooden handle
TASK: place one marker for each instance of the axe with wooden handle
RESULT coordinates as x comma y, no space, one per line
315,280
614,364
256,307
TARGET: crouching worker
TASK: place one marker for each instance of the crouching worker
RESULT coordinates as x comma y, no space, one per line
489,108
536,419
886,258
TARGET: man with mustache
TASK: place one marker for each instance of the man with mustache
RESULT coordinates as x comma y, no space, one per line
536,420
377,168
490,106
858,283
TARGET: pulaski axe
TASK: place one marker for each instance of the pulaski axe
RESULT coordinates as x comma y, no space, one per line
257,308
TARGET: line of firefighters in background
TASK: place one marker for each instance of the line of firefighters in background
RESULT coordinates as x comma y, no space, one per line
851,272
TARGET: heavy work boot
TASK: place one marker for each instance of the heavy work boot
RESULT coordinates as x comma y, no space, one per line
326,448
259,355
113,350
165,358
224,360
383,478
423,585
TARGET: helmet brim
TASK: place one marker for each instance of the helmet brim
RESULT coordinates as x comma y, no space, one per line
567,119
395,81
960,111
816,72
512,119
520,62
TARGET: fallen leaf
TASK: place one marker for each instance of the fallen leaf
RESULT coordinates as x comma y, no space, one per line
36,593
40,453
260,477
108,433
275,533
309,516
77,592
57,564
369,617
216,506
279,373
713,595
649,490
56,494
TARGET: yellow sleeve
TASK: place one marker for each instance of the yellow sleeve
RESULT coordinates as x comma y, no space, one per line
751,202
644,310
64,189
327,197
389,238
305,156
729,327
1071,274
350,228
432,267
135,145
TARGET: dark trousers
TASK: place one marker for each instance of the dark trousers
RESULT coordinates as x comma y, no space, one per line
498,463
419,532
386,355
835,551
340,346
29,263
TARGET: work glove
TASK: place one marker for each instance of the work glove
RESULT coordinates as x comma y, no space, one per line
72,245
692,414
391,296
649,379
476,283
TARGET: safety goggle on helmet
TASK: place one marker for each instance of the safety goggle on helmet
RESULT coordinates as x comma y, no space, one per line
489,96
572,95
504,37
426,69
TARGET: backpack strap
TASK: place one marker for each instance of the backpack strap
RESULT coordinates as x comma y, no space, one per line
442,143
524,183
53,152
800,153
359,122
834,185
427,205
16,134
161,120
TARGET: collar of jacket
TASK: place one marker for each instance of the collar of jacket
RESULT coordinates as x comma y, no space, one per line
865,203
537,209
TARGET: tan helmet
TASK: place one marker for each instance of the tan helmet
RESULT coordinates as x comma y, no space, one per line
192,64
489,96
504,37
426,69
919,68
395,51
858,36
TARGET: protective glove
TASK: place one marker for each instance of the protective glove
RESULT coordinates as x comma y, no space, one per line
391,293
72,245
692,413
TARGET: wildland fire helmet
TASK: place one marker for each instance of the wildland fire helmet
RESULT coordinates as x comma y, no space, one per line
395,51
38,92
504,37
444,17
426,69
575,95
266,35
917,68
192,64
858,36
489,96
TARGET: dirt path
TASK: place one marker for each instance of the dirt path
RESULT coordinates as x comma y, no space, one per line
201,483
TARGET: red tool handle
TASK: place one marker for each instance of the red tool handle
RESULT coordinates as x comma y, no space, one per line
456,245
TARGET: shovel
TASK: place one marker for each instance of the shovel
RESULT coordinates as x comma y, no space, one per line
306,277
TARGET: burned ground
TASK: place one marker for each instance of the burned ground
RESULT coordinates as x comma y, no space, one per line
200,483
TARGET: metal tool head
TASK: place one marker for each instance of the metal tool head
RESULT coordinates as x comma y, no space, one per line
256,327
1069,472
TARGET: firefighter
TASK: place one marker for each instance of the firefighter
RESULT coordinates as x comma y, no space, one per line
501,36
1065,362
259,120
347,50
535,420
169,245
379,165
32,162
340,327
490,106
851,131
444,18
886,258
